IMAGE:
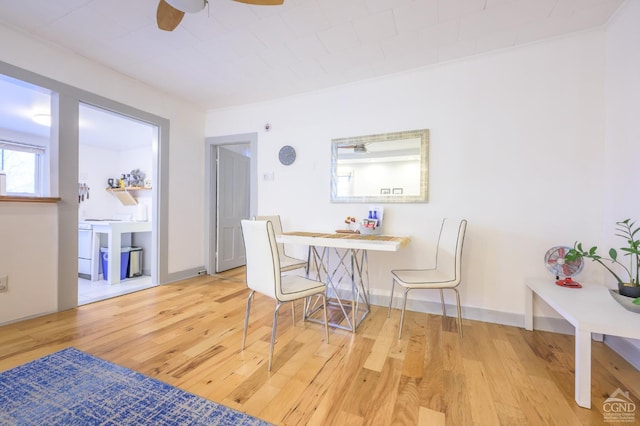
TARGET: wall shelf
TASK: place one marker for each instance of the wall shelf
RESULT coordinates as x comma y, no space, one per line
123,195
129,188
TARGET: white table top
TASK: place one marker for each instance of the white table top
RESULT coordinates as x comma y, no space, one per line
345,241
122,226
589,308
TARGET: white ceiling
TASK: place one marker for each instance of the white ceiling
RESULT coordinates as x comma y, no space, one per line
238,54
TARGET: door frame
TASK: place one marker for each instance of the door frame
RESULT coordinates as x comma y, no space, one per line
210,187
63,174
159,169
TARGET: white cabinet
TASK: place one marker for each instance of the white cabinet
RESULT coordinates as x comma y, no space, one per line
85,251
116,231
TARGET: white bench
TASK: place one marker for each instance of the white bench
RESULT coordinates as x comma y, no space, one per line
590,309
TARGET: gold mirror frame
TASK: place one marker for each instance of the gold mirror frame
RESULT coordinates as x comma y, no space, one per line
362,141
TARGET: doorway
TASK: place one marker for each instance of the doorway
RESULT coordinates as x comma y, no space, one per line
116,172
232,200
224,247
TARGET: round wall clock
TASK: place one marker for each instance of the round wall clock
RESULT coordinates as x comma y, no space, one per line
287,155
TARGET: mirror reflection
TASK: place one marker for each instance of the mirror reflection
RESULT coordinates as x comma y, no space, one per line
389,167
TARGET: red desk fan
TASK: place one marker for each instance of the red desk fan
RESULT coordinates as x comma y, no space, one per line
563,269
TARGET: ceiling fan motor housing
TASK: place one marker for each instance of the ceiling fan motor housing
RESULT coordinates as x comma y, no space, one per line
189,6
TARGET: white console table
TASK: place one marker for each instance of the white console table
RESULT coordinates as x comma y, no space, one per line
590,309
114,231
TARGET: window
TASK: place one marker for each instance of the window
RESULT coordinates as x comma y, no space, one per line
23,165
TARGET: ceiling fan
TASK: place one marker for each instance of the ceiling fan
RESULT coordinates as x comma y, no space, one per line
171,12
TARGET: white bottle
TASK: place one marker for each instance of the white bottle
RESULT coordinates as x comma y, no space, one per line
141,213
3,183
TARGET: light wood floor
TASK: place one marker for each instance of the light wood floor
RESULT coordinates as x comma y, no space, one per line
188,334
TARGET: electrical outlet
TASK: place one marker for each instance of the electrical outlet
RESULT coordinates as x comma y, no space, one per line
4,284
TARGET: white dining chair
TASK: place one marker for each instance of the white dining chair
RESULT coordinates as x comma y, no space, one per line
287,263
264,276
446,274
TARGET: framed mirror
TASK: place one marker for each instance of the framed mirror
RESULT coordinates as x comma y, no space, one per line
384,168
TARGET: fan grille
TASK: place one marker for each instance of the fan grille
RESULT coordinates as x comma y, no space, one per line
556,263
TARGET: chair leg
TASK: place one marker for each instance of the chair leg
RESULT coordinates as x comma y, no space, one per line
404,304
246,317
273,333
308,265
393,284
444,309
293,313
326,321
459,311
307,304
305,308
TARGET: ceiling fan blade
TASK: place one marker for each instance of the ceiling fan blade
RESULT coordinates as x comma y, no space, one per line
168,16
262,2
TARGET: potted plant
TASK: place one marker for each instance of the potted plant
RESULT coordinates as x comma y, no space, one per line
628,277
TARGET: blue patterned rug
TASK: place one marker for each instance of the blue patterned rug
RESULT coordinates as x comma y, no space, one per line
71,387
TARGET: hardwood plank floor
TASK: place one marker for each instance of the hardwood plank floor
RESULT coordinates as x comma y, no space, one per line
188,334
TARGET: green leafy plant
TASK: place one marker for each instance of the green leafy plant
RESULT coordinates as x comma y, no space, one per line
629,271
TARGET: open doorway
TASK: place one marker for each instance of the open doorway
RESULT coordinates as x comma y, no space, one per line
232,200
115,197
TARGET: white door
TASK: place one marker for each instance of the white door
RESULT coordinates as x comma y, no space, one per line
233,206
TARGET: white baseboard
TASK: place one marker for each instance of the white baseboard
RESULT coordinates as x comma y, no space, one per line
625,349
183,275
15,320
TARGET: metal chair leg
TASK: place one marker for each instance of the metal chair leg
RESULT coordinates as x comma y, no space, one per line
308,265
326,322
293,312
459,311
305,307
246,317
404,304
444,309
273,333
393,284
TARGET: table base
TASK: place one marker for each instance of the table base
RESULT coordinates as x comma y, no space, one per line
351,266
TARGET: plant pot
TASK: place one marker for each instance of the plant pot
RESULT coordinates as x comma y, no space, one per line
629,290
624,301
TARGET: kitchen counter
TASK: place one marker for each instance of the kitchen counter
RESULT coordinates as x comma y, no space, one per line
114,230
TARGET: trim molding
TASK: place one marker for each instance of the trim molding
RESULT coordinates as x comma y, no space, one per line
64,176
183,275
625,349
211,145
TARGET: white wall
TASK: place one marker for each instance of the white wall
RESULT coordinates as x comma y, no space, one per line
622,126
27,239
186,175
516,147
95,166
28,235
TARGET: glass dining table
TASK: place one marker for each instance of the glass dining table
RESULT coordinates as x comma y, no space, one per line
339,259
